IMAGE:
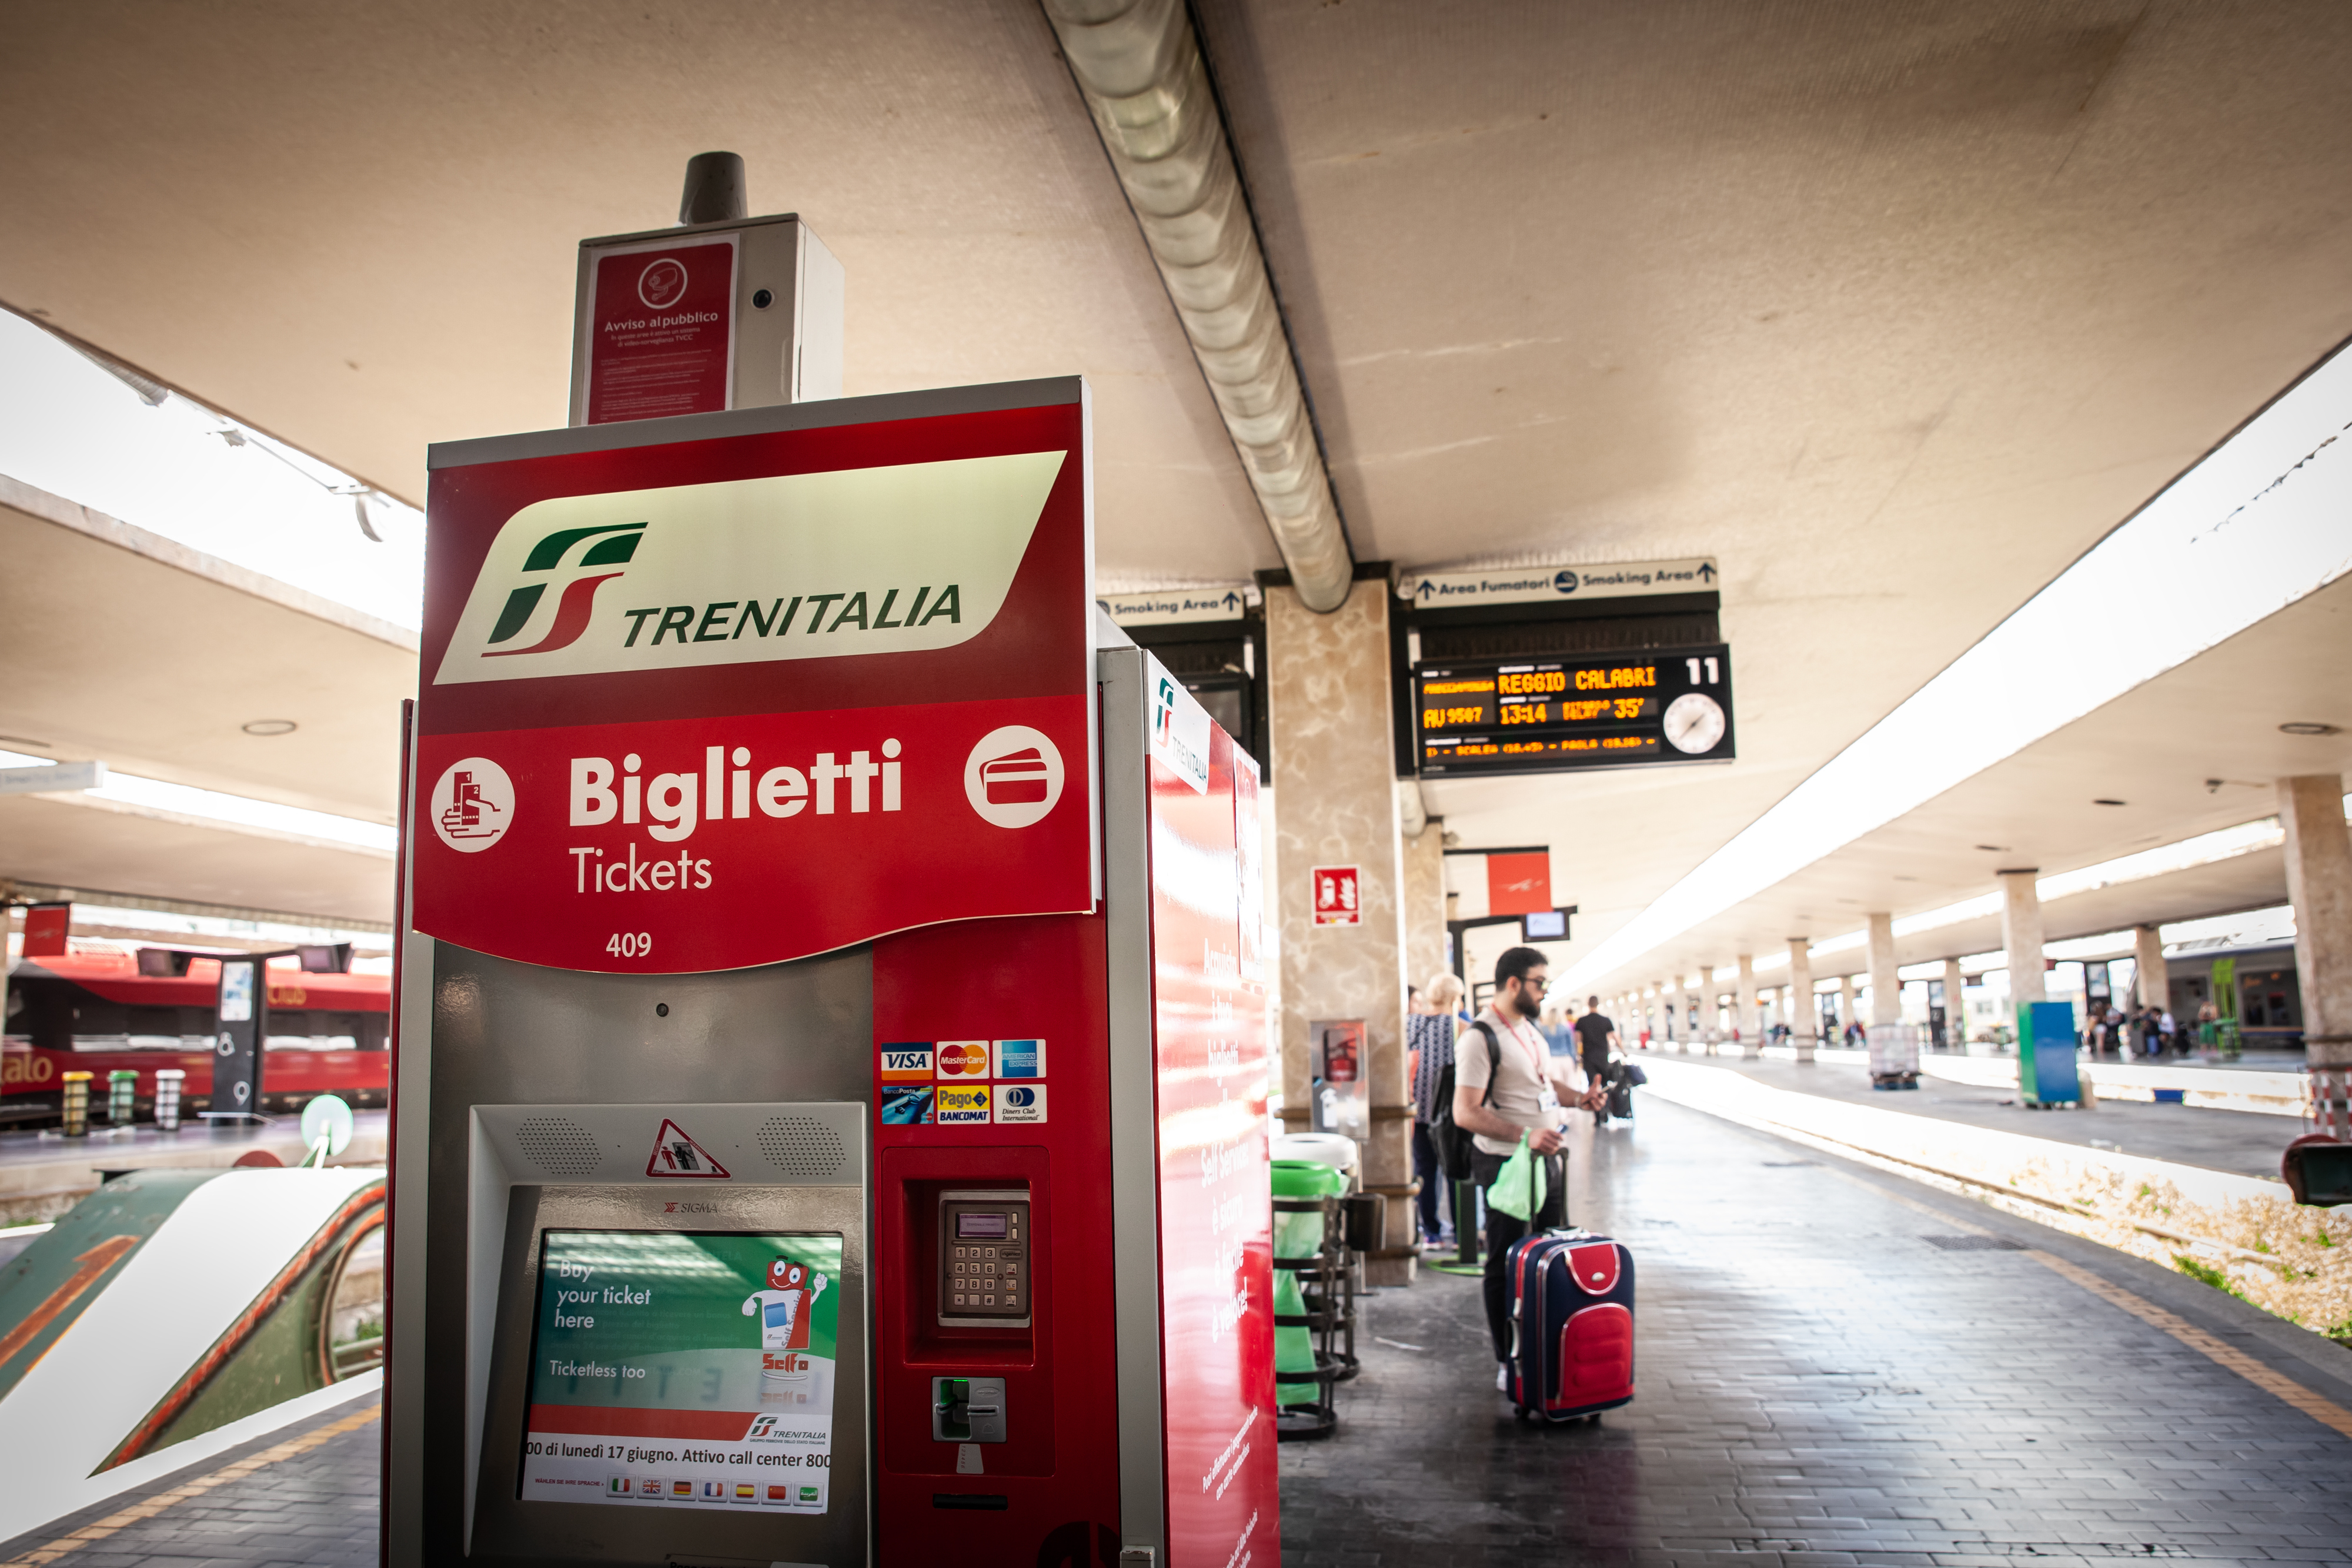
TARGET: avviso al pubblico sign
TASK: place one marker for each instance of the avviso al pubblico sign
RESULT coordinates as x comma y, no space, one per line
720,703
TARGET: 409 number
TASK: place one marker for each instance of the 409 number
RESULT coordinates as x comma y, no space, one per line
630,944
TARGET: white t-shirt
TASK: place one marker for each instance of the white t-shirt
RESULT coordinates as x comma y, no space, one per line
1523,1089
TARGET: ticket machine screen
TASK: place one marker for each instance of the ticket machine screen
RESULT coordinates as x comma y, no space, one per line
683,1369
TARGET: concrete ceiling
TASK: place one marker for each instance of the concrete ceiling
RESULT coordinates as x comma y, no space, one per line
1893,309
133,650
2157,749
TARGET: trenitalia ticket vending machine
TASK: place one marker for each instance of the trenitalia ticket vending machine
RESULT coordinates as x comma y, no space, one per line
830,1098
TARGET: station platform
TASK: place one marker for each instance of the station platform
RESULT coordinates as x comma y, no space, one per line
1838,1366
1835,1366
2241,1142
44,1174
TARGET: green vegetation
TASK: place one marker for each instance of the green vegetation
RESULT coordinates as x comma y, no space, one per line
2207,1274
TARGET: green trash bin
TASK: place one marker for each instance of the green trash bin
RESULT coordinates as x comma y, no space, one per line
1302,1377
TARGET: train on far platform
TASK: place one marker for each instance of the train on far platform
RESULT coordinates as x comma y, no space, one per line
97,1012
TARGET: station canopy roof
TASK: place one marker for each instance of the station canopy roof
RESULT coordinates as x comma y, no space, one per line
1894,311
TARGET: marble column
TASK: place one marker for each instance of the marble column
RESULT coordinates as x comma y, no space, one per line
1885,984
1424,858
2020,937
1335,788
1744,1017
1804,1017
2319,885
2148,976
1956,1007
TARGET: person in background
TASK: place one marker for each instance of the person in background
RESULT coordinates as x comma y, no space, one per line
1429,1035
1553,1026
1596,1034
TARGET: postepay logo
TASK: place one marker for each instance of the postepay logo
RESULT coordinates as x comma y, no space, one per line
910,558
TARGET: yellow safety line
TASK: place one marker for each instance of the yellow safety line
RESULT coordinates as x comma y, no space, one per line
89,1534
2326,1412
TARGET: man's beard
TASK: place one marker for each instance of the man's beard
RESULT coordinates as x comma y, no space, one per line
1526,1003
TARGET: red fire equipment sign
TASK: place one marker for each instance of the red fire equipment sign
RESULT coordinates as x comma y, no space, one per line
1337,900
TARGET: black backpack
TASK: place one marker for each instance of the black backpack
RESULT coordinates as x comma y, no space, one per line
1454,1145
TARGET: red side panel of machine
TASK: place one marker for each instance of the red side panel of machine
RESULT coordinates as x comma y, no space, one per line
1217,1241
958,993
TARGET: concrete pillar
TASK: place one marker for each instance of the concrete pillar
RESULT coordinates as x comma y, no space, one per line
1424,858
1328,702
1956,1006
2319,885
2020,935
1846,1004
2154,986
1668,992
1804,1017
1885,986
1744,1018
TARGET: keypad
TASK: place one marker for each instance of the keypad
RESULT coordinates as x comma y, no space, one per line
983,1257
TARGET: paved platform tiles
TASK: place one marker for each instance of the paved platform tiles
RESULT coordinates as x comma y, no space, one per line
2242,1142
302,1497
1820,1384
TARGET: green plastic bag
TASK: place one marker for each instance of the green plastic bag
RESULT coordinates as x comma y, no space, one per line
1520,1186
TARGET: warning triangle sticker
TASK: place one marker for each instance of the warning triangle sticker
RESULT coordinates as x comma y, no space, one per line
677,1155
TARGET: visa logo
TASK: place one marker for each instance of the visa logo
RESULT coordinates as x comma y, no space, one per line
906,1064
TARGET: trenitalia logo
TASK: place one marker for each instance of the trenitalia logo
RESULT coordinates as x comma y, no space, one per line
613,545
905,559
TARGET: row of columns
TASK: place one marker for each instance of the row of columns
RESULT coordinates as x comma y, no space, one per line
2318,853
1338,803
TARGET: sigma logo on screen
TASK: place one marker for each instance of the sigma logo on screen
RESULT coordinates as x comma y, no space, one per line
795,566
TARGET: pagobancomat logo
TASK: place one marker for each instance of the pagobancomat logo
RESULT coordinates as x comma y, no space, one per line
1013,776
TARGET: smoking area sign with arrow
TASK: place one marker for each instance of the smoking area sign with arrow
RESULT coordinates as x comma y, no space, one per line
1551,584
1172,606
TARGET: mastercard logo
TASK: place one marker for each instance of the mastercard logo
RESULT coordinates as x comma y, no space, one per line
963,1059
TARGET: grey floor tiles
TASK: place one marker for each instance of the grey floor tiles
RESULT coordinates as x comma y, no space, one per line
315,1510
1822,1382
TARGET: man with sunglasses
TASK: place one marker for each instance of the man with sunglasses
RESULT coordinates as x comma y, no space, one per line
1504,1087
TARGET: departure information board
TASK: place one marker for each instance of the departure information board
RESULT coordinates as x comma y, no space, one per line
1554,714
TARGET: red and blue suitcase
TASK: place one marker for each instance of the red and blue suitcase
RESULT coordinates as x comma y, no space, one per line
1571,1325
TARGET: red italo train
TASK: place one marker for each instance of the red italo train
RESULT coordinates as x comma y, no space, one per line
95,1012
